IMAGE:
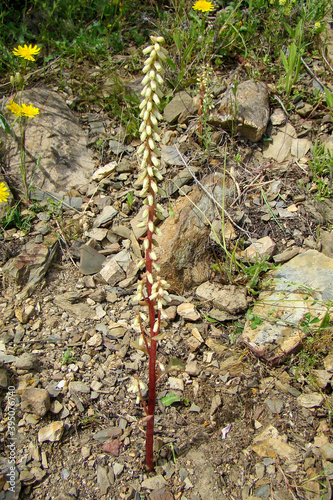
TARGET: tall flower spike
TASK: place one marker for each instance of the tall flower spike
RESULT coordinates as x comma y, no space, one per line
156,289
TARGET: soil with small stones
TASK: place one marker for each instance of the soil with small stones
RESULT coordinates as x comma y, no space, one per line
204,442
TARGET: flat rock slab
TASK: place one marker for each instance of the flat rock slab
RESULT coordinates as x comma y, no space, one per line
282,142
29,267
296,291
179,107
245,111
56,136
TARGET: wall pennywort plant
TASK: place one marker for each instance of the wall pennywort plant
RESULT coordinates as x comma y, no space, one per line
152,289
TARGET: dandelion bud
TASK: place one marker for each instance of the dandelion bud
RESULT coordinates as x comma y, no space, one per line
18,78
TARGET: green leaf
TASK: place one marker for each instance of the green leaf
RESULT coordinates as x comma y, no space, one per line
188,50
177,40
4,124
175,364
171,64
325,322
170,399
284,60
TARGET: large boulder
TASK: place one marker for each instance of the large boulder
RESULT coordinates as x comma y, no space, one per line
56,136
246,111
182,250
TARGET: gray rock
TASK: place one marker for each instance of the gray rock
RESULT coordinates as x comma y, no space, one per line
280,147
79,310
117,468
96,340
57,138
286,300
278,117
326,238
52,432
299,147
35,401
4,378
179,107
67,201
26,361
288,254
328,363
30,266
108,213
104,171
111,272
247,113
326,451
102,479
154,483
275,405
229,298
171,157
259,249
106,434
182,250
79,387
310,400
91,261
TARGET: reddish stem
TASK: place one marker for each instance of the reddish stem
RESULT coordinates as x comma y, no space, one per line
153,345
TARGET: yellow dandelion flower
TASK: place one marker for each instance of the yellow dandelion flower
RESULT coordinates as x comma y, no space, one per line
203,6
317,25
26,51
4,193
14,108
29,110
